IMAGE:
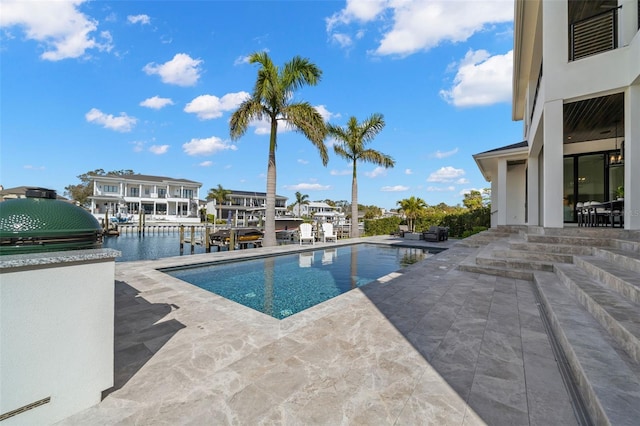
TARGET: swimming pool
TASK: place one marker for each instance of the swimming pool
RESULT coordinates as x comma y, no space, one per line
281,286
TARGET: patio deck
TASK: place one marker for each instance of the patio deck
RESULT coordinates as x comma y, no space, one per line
434,345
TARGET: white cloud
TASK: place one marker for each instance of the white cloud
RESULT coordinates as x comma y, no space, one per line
343,40
206,146
139,19
32,167
301,161
122,123
445,174
138,146
481,79
340,172
468,191
182,70
409,26
440,154
307,187
207,107
206,164
241,60
396,188
378,171
325,113
59,26
156,102
408,172
440,188
462,181
159,149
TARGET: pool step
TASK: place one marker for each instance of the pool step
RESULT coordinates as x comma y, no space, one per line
551,248
593,241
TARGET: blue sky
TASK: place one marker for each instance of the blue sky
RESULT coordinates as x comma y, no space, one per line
150,86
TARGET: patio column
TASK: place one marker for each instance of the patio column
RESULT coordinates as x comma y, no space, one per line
552,169
533,210
632,158
502,191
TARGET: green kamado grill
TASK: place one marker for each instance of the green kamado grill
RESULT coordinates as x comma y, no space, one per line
42,223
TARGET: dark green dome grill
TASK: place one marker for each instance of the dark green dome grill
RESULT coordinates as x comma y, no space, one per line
41,223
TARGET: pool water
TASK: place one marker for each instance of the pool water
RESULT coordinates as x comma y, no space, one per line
281,286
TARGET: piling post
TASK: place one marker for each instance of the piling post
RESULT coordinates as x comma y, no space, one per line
207,239
181,239
232,239
193,238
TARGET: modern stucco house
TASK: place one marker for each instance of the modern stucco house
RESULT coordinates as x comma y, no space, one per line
245,207
157,196
576,88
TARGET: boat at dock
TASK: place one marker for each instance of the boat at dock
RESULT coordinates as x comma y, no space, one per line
243,235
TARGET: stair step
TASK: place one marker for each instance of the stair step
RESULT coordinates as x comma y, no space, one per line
606,377
613,274
510,263
618,315
535,255
470,265
551,248
624,258
569,240
626,245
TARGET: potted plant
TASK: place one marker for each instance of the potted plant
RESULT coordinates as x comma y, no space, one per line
620,192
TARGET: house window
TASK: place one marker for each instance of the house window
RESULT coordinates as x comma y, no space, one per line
162,193
111,188
187,193
134,192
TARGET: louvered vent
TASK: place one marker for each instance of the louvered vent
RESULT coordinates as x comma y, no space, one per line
594,35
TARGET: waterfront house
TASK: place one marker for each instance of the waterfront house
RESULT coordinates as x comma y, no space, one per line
160,198
245,208
318,210
576,88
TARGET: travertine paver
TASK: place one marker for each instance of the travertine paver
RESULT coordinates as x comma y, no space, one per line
432,346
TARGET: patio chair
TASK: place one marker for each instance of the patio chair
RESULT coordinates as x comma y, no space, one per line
433,234
306,233
327,232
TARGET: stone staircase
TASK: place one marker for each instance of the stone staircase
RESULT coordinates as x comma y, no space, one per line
588,282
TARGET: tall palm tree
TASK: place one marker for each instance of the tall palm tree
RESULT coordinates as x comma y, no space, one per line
412,208
300,200
220,195
351,146
272,100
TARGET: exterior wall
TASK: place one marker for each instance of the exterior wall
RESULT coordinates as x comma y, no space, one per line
56,338
515,195
566,81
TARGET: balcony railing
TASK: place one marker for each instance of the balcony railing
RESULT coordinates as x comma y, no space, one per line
592,35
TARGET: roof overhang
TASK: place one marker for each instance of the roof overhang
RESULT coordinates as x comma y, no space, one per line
488,161
525,22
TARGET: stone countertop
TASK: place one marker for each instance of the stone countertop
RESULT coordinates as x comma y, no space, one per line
46,258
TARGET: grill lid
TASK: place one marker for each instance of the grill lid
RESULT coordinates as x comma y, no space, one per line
40,222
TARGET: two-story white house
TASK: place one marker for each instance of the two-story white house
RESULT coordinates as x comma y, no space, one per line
160,198
576,87
245,208
318,210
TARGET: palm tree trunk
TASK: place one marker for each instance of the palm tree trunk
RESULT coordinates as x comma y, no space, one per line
355,232
270,206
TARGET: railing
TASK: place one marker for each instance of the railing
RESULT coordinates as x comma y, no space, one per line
595,34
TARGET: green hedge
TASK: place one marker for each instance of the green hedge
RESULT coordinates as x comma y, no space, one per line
385,226
459,224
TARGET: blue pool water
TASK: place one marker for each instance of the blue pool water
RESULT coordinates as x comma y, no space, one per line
281,286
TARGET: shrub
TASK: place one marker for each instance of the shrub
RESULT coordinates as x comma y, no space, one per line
385,226
466,221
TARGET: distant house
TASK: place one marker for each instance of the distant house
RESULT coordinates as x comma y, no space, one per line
576,89
20,192
160,198
245,207
318,210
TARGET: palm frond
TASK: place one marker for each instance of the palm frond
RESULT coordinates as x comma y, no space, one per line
249,110
377,158
299,72
306,119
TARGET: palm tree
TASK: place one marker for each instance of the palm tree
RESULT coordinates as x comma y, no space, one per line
272,100
351,146
220,195
412,208
300,200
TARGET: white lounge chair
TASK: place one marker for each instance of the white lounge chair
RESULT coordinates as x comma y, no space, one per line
327,232
306,233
